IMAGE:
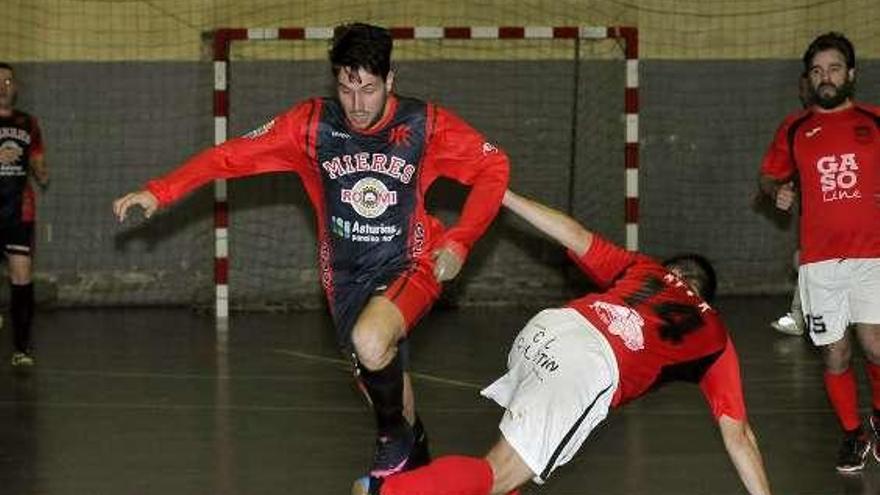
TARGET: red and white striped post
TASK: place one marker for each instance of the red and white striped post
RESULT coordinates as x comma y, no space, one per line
224,37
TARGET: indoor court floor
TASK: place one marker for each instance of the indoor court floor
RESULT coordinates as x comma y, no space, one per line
156,401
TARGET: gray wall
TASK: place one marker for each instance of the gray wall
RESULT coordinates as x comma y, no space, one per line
704,127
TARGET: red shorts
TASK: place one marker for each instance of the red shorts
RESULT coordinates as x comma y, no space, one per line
722,386
414,291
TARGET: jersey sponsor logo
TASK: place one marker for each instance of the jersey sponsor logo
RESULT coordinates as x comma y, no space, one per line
259,131
863,134
812,132
838,177
326,266
418,243
392,166
15,133
399,136
622,321
369,197
489,148
340,134
363,232
10,155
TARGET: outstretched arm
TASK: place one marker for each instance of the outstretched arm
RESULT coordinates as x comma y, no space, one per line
559,226
742,447
276,146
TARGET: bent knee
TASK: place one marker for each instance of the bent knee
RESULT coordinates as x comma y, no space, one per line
374,348
837,358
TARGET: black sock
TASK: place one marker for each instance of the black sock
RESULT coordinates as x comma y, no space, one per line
385,388
21,310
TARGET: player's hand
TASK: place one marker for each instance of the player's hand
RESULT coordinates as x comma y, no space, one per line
447,263
785,196
42,177
144,199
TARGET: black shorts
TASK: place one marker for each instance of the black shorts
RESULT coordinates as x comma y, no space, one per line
18,238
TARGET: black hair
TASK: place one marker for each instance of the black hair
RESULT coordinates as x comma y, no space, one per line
697,270
4,65
830,41
361,46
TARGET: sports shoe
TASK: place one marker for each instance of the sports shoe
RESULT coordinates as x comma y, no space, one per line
392,451
853,451
787,324
366,485
421,454
875,436
22,359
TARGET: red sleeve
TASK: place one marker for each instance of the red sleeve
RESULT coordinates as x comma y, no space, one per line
722,386
36,148
603,261
277,146
457,151
777,160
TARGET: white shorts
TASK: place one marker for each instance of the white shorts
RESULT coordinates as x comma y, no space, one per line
835,293
562,375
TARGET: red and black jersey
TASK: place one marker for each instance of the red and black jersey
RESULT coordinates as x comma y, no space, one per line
659,329
20,140
367,188
836,157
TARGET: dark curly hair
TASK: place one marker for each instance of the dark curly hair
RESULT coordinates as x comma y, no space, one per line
830,41
361,46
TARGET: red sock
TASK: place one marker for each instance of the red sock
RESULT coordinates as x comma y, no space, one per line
448,475
874,378
844,398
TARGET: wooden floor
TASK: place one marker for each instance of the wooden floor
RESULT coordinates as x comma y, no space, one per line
155,401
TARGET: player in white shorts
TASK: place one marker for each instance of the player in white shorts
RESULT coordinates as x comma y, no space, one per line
838,292
649,325
831,150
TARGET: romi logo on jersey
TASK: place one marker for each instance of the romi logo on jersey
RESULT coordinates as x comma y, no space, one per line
369,197
838,177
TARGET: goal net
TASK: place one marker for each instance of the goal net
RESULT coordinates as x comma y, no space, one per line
561,102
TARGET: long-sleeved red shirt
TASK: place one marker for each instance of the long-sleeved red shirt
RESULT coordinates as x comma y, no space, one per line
367,188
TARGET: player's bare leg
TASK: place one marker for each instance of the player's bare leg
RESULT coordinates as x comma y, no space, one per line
509,471
376,333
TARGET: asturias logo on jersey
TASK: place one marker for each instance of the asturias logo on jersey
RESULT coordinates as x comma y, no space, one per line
363,232
838,177
369,197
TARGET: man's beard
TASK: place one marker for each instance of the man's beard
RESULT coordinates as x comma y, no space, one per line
842,93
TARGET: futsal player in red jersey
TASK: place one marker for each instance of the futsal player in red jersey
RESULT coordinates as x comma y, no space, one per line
831,151
649,324
21,156
366,158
